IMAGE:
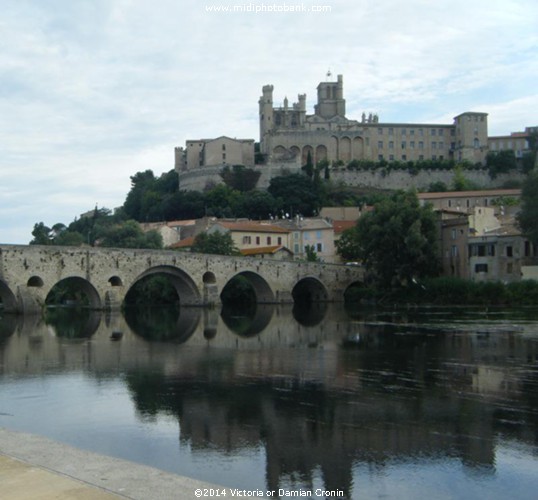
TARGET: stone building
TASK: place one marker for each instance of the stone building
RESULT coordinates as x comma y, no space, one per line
288,132
518,142
210,152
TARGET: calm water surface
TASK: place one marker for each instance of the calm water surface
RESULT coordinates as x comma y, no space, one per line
368,404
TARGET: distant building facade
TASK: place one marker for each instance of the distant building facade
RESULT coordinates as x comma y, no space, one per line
210,152
288,132
518,142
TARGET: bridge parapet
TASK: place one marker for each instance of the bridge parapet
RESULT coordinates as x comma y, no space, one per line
29,272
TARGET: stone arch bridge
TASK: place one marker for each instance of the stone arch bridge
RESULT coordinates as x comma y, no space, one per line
28,273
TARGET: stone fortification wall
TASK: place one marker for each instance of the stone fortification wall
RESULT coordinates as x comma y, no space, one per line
199,179
401,179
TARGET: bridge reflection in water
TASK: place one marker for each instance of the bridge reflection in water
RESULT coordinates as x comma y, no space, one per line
363,405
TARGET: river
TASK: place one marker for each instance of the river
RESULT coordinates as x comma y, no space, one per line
402,403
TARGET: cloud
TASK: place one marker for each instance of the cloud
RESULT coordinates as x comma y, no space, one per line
92,92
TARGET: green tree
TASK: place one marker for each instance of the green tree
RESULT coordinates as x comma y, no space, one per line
219,243
309,166
297,194
527,217
500,162
311,255
397,241
129,234
41,234
241,178
347,245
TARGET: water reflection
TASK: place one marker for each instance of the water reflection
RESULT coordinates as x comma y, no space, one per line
171,324
332,400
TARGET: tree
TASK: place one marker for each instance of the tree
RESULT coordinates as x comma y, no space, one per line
240,177
129,234
298,194
42,234
219,243
500,162
311,255
347,245
309,167
397,241
527,218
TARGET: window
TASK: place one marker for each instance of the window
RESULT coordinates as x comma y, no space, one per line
404,157
380,157
434,145
307,236
412,145
380,144
412,132
403,145
391,131
380,131
420,132
224,147
296,247
367,141
509,251
453,235
391,144
223,156
454,251
404,131
319,247
247,240
476,143
268,240
433,131
481,268
279,240
391,157
441,131
257,240
420,145
318,235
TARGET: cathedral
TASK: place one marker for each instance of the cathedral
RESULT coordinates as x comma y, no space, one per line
289,134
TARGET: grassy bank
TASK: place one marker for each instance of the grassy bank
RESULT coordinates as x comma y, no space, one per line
451,291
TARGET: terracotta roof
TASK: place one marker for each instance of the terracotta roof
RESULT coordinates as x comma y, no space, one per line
186,243
464,194
250,226
264,250
341,225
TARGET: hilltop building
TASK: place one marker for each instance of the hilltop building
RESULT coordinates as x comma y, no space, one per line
220,151
288,132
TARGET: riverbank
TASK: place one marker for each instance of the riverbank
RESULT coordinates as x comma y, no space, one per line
42,469
447,291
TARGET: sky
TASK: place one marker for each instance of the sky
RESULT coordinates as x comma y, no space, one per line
94,91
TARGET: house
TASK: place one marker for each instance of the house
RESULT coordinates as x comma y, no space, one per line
252,234
453,243
273,252
465,201
316,232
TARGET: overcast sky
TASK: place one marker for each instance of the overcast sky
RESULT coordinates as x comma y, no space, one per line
93,91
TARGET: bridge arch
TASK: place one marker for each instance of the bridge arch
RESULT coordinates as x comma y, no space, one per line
186,289
264,293
310,289
35,281
81,286
7,298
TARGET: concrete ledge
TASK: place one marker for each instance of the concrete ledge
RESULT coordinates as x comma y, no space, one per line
32,467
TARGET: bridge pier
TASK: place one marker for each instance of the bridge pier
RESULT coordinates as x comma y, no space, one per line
28,302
